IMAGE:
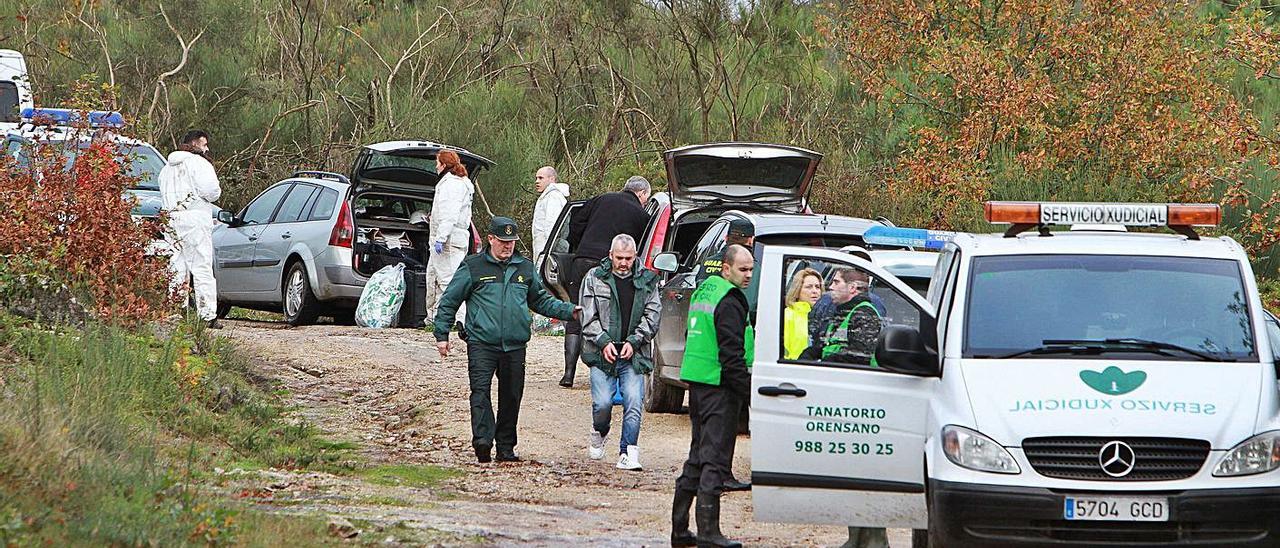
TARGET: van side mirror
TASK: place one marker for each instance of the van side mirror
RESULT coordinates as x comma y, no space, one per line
226,217
666,262
902,349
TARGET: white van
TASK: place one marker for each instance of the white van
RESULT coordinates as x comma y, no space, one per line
15,89
1091,387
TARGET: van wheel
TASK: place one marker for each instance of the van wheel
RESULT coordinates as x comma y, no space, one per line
660,397
300,304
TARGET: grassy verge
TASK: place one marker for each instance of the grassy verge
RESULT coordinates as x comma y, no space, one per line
105,434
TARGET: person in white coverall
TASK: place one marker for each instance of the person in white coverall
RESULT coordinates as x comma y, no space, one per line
188,188
450,226
552,197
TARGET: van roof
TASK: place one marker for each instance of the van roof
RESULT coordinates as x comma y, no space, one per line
1100,243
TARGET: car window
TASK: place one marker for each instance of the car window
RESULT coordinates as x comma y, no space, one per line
834,312
389,208
712,240
293,206
1020,303
9,102
323,208
143,162
260,210
13,148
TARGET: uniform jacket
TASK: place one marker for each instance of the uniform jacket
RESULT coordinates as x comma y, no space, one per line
188,183
451,211
498,296
545,213
601,317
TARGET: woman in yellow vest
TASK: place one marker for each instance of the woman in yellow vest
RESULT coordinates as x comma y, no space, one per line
802,292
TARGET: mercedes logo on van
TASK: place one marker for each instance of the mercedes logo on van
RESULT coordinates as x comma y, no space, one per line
1117,459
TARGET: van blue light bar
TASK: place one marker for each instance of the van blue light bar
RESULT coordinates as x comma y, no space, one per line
67,116
910,237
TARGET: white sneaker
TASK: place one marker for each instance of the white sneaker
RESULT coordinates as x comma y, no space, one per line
631,459
595,447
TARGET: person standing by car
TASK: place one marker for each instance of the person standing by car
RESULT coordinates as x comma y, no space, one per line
741,232
499,287
188,188
717,361
450,226
552,197
620,309
590,233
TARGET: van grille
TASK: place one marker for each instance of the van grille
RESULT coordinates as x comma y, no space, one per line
1155,459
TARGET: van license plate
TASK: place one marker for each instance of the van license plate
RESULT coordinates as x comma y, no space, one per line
1116,508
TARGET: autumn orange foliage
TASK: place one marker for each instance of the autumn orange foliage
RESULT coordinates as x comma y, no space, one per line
72,228
1044,99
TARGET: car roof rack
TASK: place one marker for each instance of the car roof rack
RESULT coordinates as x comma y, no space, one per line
322,175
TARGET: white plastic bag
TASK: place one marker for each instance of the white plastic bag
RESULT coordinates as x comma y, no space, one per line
381,299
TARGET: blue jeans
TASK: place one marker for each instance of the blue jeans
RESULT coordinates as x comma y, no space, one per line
632,388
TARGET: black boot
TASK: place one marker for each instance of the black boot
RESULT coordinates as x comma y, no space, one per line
708,517
572,348
680,534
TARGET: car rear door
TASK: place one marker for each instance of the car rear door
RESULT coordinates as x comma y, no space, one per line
559,256
234,246
286,228
835,442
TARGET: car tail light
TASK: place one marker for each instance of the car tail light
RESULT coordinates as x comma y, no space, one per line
659,235
476,242
344,231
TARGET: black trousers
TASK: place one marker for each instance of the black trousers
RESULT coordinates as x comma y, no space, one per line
577,271
713,412
483,363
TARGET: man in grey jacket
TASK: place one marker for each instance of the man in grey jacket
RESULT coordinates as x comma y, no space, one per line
620,308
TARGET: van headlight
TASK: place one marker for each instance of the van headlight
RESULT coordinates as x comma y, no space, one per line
1255,455
975,451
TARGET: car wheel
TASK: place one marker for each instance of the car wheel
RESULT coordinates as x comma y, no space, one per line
660,397
223,310
920,538
299,303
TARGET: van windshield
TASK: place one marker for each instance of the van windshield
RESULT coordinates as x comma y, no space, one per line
1108,307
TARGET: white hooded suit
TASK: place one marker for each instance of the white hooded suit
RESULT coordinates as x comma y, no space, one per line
188,188
545,213
450,226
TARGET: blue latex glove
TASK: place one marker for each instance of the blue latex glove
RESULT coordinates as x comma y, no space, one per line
438,247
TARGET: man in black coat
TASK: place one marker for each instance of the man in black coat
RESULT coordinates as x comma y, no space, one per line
591,232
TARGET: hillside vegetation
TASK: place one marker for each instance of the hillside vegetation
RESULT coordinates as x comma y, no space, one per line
923,108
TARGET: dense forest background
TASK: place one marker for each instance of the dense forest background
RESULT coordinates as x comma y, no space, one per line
923,108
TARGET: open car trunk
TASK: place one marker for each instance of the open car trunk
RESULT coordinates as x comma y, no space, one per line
768,176
390,182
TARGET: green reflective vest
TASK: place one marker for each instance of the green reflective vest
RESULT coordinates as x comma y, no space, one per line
701,350
833,347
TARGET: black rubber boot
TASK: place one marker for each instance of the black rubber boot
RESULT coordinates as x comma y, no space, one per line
680,534
572,349
732,484
708,517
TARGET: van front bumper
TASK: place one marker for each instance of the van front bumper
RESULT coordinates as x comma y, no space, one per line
964,515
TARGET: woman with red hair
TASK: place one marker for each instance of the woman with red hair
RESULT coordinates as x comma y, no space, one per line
450,226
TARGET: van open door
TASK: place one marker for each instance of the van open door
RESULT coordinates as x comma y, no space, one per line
838,431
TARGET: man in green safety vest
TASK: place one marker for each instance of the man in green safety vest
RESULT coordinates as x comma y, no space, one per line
850,333
717,362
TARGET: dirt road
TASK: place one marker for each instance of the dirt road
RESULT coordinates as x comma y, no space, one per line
388,391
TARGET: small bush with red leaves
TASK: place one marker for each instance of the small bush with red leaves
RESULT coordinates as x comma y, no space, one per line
66,235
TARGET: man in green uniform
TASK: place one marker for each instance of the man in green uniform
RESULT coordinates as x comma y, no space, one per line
499,287
743,233
717,361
